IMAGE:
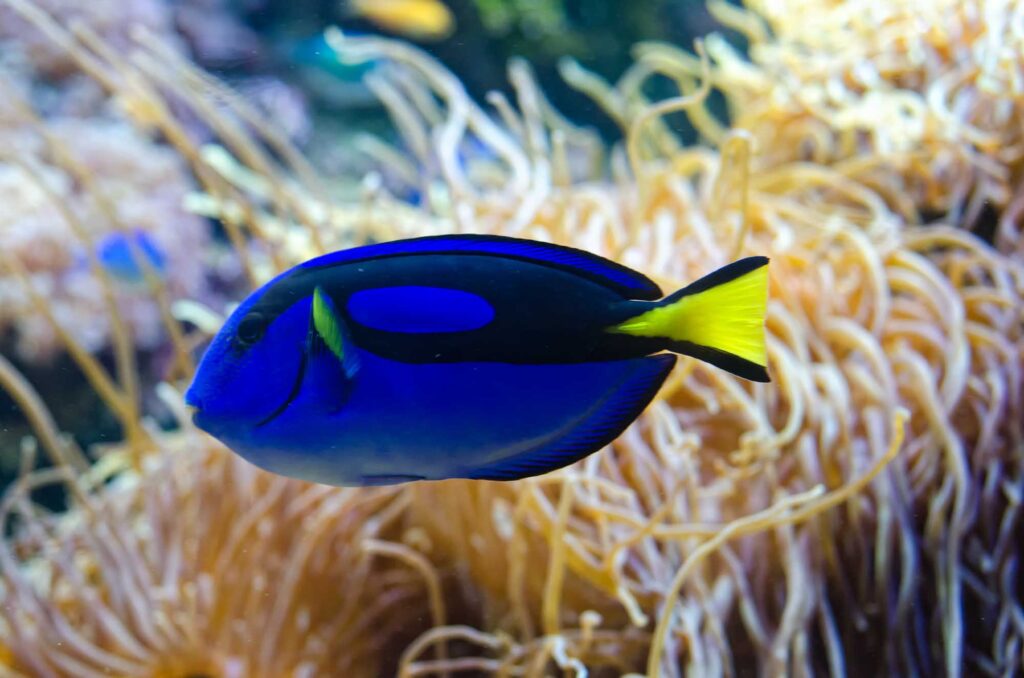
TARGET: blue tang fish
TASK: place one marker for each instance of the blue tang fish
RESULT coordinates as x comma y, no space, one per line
114,252
463,356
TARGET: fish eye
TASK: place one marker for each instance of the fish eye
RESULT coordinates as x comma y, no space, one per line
251,329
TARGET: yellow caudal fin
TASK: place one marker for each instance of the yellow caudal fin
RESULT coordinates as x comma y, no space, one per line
718,319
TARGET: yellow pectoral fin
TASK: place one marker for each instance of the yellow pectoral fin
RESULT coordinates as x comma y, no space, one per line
326,324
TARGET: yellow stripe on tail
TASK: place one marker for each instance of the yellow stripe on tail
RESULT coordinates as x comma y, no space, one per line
718,319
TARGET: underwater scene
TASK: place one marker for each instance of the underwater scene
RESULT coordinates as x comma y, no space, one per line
511,338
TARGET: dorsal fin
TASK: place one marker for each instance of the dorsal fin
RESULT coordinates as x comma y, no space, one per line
614,276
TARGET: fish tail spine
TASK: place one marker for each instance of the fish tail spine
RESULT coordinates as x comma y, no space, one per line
718,319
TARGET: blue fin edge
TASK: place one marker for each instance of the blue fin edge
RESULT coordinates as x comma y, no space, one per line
380,480
625,281
600,428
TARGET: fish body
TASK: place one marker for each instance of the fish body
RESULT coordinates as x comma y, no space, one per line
459,356
422,19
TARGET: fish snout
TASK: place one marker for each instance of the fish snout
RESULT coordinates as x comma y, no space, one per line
202,420
194,407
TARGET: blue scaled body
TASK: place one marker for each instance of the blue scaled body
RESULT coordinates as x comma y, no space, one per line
443,357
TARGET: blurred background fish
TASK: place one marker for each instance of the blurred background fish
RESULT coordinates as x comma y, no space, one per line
417,19
314,52
334,83
119,254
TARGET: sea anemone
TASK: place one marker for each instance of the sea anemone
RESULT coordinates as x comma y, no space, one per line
202,565
918,100
870,313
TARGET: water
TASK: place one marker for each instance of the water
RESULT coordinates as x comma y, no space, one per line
855,515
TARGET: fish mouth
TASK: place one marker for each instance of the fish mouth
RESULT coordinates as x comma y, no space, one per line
292,395
193,407
196,413
199,419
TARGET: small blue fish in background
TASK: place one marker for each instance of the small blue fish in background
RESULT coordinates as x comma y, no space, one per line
331,81
463,356
115,255
314,52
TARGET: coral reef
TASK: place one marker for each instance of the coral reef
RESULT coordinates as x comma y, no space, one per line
204,28
71,182
860,514
112,20
74,173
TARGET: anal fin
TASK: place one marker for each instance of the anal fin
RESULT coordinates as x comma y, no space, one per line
380,480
